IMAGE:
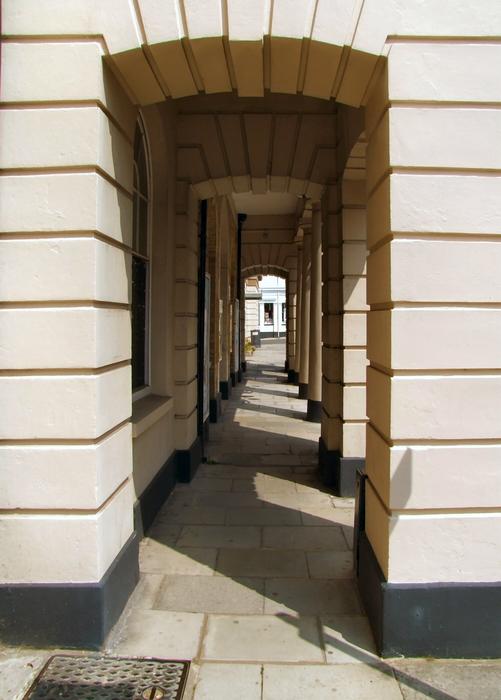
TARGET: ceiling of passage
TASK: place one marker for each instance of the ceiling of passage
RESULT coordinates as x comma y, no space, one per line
268,203
279,144
268,243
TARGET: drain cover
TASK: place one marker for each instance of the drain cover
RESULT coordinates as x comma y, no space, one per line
105,678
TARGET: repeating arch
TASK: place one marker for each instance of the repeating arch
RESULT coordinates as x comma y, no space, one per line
318,48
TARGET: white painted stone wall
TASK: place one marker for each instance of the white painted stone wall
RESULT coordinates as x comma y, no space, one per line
66,450
434,499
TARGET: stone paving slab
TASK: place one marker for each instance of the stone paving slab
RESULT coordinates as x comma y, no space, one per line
146,591
211,594
263,638
448,680
343,682
158,558
261,484
330,564
348,639
189,515
305,538
228,681
263,516
158,633
207,484
220,536
310,597
327,516
18,668
262,563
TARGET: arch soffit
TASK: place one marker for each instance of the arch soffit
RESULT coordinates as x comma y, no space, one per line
263,269
323,49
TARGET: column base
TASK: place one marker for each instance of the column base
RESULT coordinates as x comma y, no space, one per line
314,411
215,408
440,620
233,377
188,461
303,391
286,366
225,390
292,376
243,368
155,495
69,614
338,473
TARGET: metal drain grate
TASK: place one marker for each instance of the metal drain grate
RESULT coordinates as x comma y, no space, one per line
105,678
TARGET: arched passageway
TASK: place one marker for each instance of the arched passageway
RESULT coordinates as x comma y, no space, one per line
251,562
268,99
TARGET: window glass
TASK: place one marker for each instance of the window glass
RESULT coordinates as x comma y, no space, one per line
139,318
140,264
268,313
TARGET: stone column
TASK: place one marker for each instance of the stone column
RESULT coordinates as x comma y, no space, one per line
186,329
329,452
305,315
354,332
225,230
214,269
294,373
429,560
66,490
314,411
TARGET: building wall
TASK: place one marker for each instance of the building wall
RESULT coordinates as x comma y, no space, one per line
251,316
273,292
65,385
153,413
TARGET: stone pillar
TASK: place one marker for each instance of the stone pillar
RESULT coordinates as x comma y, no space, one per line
429,559
214,269
314,411
224,378
299,275
290,299
329,452
186,340
66,491
305,315
354,332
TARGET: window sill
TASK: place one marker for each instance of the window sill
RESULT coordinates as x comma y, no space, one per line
148,410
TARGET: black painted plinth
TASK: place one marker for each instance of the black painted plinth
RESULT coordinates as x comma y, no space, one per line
286,366
303,391
441,620
188,461
314,411
225,390
69,614
215,408
338,473
233,377
155,494
292,376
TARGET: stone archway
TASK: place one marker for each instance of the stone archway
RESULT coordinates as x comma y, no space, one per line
181,48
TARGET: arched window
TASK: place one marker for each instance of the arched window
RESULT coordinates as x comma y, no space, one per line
140,264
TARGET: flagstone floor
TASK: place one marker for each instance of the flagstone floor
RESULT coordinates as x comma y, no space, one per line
247,572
